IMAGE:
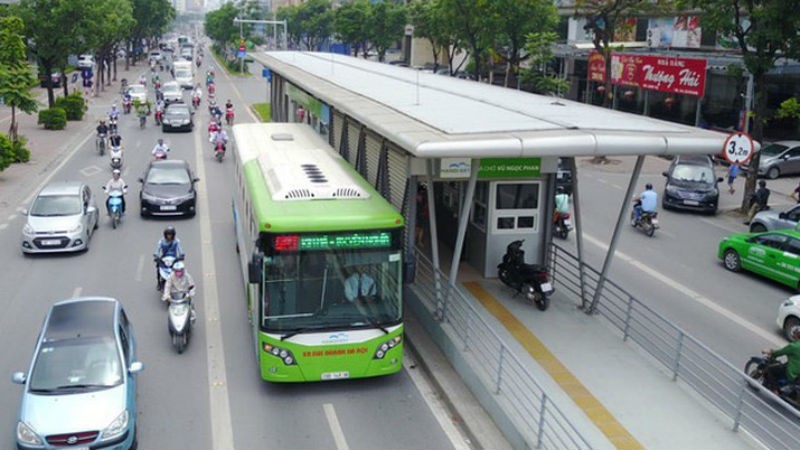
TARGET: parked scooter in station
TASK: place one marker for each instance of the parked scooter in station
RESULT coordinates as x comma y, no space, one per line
531,280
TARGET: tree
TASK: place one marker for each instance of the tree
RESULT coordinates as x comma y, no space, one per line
219,24
515,19
387,21
350,25
15,75
294,28
316,22
539,47
473,24
765,31
104,24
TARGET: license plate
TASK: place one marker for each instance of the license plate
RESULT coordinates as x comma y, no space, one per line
654,221
168,207
567,223
547,287
691,202
76,448
51,242
335,375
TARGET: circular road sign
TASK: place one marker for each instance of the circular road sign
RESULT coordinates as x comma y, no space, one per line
739,148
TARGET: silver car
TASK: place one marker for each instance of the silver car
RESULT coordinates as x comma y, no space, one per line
62,218
779,158
80,389
775,220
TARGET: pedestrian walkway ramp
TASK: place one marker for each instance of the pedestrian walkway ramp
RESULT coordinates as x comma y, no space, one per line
622,378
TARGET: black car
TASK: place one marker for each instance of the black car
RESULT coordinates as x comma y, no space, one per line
177,116
691,184
168,189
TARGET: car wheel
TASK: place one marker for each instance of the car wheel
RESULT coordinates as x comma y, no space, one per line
731,260
757,228
788,324
773,173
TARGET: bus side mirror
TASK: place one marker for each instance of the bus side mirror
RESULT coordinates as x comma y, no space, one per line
254,268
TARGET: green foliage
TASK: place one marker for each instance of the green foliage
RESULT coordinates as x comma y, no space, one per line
74,105
316,21
539,47
386,23
350,24
6,152
294,28
53,118
151,18
16,77
789,109
19,151
219,24
263,110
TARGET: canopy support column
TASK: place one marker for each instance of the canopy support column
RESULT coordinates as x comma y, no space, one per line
463,219
637,168
576,204
434,239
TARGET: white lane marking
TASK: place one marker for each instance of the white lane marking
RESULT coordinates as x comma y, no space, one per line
436,405
336,428
241,99
3,226
91,170
722,227
140,269
600,180
221,426
55,170
77,292
688,292
12,217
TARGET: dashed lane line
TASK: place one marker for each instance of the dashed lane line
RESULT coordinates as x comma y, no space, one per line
336,428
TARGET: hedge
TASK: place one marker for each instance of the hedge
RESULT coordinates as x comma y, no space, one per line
73,104
54,118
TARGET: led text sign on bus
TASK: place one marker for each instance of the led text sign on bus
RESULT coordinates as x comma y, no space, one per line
337,241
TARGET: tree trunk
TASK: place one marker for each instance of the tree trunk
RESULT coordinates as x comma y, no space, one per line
12,129
758,136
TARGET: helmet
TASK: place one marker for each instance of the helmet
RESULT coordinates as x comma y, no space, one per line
178,268
649,186
116,172
169,231
560,189
160,140
794,332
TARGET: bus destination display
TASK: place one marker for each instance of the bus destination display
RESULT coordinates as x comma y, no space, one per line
332,241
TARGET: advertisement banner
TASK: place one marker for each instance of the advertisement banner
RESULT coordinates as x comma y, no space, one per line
597,67
674,75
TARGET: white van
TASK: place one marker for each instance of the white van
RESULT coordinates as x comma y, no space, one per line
183,74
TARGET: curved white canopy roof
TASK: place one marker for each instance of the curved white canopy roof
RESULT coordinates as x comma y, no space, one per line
433,116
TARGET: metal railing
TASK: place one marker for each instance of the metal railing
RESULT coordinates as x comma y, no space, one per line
534,414
748,405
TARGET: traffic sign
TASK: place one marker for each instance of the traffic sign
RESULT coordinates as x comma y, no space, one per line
739,148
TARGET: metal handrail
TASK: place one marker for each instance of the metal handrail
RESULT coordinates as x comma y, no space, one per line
749,405
534,413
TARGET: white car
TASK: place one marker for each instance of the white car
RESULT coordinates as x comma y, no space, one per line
86,61
172,92
789,315
184,77
155,55
138,92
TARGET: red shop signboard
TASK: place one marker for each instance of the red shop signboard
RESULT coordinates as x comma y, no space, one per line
656,73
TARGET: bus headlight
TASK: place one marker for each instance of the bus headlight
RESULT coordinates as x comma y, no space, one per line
285,355
385,346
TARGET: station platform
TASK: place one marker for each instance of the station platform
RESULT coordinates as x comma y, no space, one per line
611,391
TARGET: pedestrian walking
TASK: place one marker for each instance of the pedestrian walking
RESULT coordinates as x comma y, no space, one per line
733,172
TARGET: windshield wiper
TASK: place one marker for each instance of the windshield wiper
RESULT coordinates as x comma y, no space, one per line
78,386
298,331
370,320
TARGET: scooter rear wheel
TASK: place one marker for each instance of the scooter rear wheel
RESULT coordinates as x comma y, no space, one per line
755,373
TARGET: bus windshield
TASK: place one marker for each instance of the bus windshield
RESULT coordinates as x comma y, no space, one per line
321,290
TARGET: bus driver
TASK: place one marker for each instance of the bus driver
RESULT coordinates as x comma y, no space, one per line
359,286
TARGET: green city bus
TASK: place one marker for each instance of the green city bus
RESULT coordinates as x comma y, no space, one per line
320,251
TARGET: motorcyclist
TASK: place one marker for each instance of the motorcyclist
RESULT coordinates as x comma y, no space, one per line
116,183
143,80
180,281
113,113
758,201
228,109
791,369
561,203
160,147
115,140
213,127
646,203
216,113
127,100
198,91
219,136
169,245
102,128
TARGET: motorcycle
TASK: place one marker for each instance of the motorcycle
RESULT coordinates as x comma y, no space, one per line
180,319
112,124
100,143
160,154
219,151
142,119
115,154
164,265
648,221
115,207
229,116
531,280
757,368
563,225
158,117
126,106
196,101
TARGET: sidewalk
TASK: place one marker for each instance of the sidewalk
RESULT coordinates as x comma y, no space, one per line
49,148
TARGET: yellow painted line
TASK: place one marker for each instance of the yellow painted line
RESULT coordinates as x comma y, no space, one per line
592,407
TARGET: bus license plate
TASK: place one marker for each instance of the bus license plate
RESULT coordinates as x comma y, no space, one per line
335,375
168,207
547,287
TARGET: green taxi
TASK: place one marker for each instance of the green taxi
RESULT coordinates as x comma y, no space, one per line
773,254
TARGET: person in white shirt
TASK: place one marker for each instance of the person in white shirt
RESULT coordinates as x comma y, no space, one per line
359,286
116,183
160,147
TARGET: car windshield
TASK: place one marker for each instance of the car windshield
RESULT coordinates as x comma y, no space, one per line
313,290
76,364
56,205
177,112
163,175
697,174
773,149
183,74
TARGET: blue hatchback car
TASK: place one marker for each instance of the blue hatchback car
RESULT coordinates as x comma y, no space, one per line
80,390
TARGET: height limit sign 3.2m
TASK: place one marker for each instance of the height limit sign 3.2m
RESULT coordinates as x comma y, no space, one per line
739,148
